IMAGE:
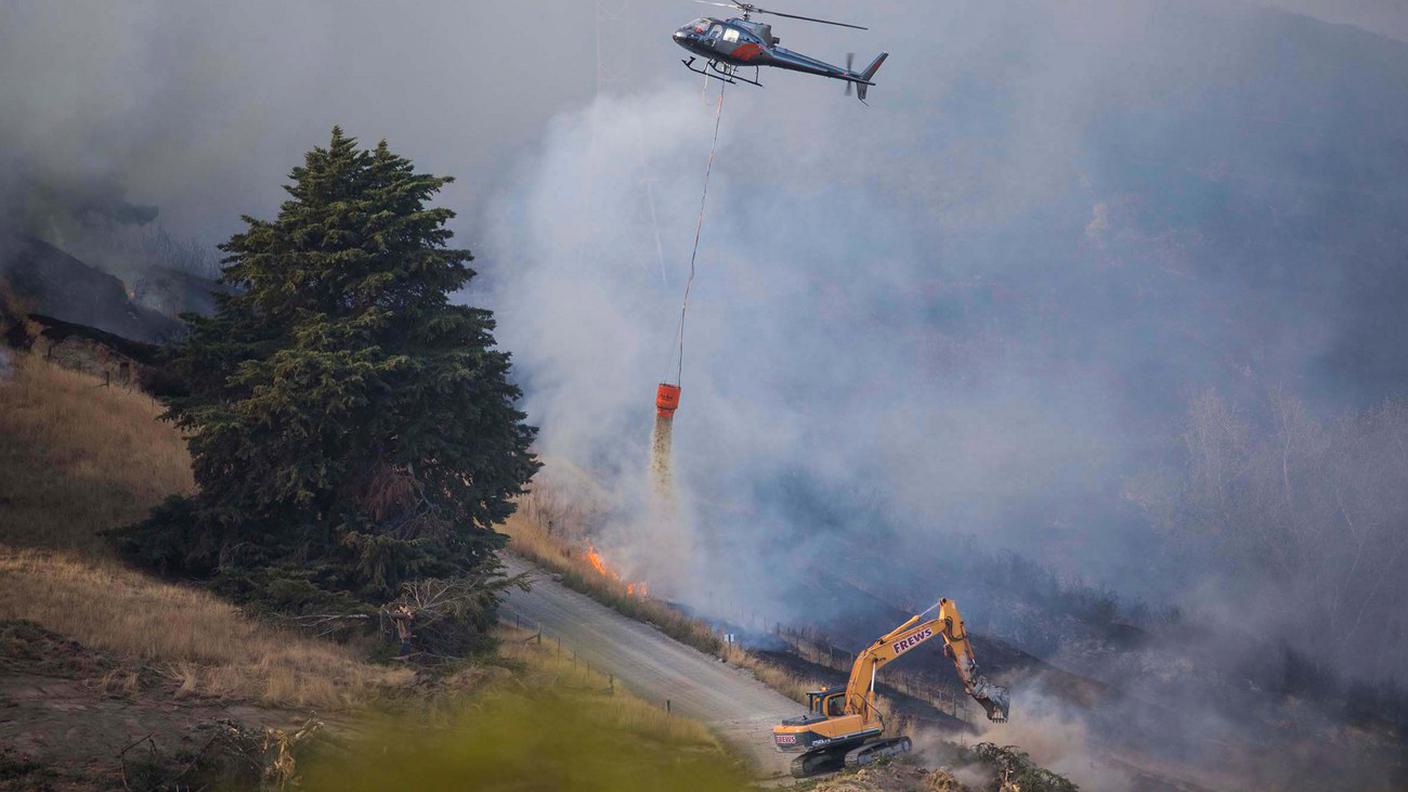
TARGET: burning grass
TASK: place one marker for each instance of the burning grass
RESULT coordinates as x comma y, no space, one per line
598,561
529,538
79,458
551,549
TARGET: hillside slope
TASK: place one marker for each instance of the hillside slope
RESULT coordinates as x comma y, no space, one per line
112,678
48,281
95,655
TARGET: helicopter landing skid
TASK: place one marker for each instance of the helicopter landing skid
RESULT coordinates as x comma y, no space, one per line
723,72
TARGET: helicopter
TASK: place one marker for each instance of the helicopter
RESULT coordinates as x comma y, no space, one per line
730,45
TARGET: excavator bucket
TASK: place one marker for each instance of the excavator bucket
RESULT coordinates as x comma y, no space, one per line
992,697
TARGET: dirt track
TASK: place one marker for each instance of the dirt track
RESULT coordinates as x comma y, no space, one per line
655,667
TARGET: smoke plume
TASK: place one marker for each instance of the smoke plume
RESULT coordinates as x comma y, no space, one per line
955,343
1083,289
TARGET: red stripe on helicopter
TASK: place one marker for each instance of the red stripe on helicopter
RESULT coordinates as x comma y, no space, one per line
747,52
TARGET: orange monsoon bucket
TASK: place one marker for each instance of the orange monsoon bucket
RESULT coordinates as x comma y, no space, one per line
667,400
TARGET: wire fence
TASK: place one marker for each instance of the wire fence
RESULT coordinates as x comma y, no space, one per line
542,638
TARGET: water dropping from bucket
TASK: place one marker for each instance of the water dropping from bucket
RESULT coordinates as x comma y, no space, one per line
667,400
660,475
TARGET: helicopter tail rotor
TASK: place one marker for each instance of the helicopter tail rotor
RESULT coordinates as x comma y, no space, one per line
850,60
868,74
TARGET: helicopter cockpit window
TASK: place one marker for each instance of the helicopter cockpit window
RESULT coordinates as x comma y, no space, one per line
716,31
730,35
699,25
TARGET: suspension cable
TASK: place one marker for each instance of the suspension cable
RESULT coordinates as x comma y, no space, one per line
698,232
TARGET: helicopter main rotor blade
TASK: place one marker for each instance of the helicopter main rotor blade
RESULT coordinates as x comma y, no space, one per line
749,8
809,19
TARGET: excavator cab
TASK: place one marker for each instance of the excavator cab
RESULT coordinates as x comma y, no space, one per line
828,703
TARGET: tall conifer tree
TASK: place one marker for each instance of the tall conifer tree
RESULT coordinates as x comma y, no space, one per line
351,428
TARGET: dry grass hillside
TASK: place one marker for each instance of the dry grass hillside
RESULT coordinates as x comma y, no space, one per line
78,458
96,658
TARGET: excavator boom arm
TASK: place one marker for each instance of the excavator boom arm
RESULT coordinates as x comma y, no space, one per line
860,688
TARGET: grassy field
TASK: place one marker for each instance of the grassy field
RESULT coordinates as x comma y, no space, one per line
551,724
78,458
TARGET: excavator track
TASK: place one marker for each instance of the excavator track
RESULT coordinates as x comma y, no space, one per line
835,757
878,749
821,760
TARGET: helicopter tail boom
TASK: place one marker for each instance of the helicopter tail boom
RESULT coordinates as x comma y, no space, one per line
865,77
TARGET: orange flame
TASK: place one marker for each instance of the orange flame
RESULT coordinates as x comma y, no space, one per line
637,589
599,563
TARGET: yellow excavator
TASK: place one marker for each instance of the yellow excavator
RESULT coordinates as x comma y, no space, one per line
842,726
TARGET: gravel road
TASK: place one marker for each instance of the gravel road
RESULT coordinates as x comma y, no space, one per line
738,707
